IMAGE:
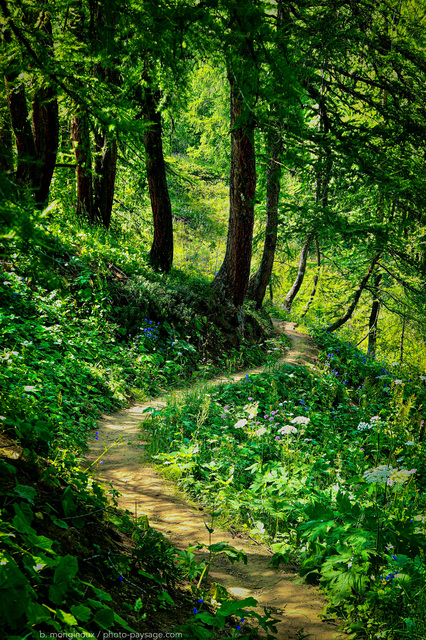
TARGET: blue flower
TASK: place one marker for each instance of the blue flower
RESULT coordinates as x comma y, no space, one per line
195,610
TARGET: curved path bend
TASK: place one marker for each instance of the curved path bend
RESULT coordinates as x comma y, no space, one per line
144,491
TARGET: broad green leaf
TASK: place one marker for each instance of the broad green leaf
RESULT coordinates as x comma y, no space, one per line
81,612
104,617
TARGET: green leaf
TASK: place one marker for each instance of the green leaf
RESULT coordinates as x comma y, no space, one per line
165,597
122,622
66,617
104,618
64,573
36,613
14,593
59,523
81,612
6,468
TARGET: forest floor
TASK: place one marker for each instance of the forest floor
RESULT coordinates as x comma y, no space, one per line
144,491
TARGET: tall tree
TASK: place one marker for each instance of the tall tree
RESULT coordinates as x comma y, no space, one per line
233,276
260,280
161,254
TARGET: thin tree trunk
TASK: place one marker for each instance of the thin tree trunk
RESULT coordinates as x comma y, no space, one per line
294,290
401,343
341,321
6,153
258,283
161,254
374,316
233,276
104,177
81,142
316,278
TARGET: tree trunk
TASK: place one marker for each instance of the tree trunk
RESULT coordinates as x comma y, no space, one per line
104,177
341,321
259,282
374,316
294,290
233,276
316,278
27,171
6,153
45,121
161,254
81,142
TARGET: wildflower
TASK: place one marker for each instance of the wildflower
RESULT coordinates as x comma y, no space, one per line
375,419
409,443
378,474
400,476
200,600
287,429
363,426
422,377
277,438
29,388
195,610
223,415
397,382
2,417
266,416
300,420
249,399
261,431
240,424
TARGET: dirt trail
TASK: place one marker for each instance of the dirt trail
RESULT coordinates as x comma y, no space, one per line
143,491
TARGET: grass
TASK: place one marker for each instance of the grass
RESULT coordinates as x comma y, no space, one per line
328,468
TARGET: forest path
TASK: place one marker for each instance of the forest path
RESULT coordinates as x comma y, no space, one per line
144,491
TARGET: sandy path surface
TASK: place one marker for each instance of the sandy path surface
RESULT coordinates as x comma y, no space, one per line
143,491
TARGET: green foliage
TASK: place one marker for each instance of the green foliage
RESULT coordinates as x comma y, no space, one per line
327,466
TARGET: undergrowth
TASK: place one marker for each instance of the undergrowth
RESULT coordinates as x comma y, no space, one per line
327,466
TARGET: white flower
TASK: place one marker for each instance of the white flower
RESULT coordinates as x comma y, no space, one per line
394,364
378,474
300,420
422,377
251,416
375,419
240,424
400,476
363,426
287,429
397,381
261,431
410,443
29,388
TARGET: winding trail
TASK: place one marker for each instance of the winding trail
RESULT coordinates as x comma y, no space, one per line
144,491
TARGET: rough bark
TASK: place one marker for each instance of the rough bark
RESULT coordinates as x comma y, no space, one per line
45,121
259,282
81,141
374,316
341,321
104,177
27,171
233,276
161,254
45,124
